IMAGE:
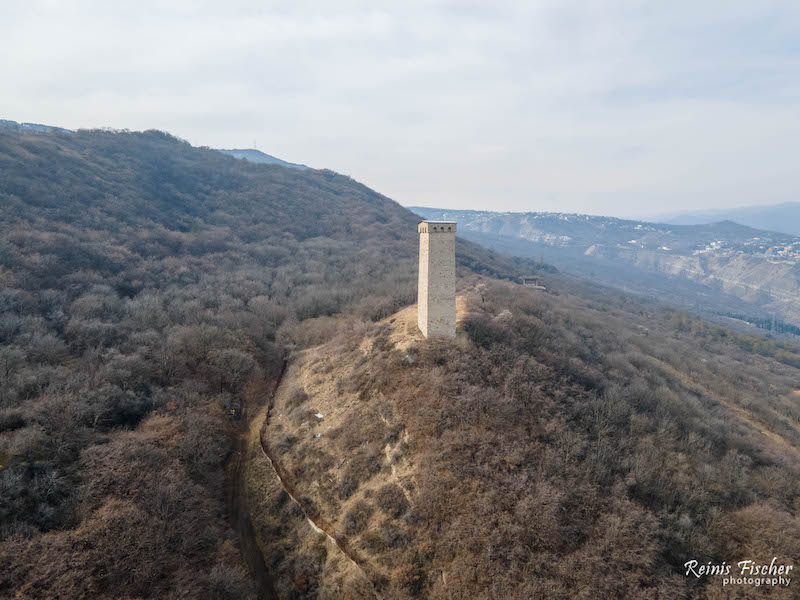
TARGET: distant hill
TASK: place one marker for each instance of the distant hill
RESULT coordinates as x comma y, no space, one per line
256,156
719,267
778,217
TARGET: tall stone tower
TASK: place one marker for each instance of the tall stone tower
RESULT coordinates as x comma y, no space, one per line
436,300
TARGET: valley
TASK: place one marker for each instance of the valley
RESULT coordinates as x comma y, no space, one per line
714,270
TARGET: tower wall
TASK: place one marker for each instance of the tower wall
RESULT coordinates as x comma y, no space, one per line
436,299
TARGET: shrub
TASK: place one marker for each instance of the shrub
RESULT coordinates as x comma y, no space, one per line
297,397
357,517
347,486
391,499
393,536
373,542
230,583
11,419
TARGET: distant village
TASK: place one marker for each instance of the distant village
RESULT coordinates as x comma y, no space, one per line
781,252
774,252
780,249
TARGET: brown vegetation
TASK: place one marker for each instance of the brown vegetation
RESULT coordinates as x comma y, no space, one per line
571,444
561,447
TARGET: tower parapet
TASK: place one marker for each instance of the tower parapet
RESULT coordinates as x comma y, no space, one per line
436,300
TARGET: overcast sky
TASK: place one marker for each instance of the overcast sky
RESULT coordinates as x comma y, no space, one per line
624,108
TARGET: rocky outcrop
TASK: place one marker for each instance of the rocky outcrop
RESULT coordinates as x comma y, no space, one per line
772,285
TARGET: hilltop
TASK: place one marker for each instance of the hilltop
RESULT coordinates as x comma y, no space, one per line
566,445
249,154
256,156
31,127
577,230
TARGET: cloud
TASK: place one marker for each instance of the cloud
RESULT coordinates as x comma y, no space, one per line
603,107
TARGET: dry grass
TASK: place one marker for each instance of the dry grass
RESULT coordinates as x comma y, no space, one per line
379,461
287,538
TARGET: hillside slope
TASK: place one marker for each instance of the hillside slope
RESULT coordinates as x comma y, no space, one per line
148,293
559,448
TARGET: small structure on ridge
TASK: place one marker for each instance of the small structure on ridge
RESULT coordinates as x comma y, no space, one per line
532,282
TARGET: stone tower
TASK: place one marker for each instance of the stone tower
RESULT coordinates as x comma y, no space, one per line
436,300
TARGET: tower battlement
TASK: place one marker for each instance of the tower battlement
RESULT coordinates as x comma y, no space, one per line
437,227
436,301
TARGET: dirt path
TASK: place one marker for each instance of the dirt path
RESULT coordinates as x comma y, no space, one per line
238,511
240,520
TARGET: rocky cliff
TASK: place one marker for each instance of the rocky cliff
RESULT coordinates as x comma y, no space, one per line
771,285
